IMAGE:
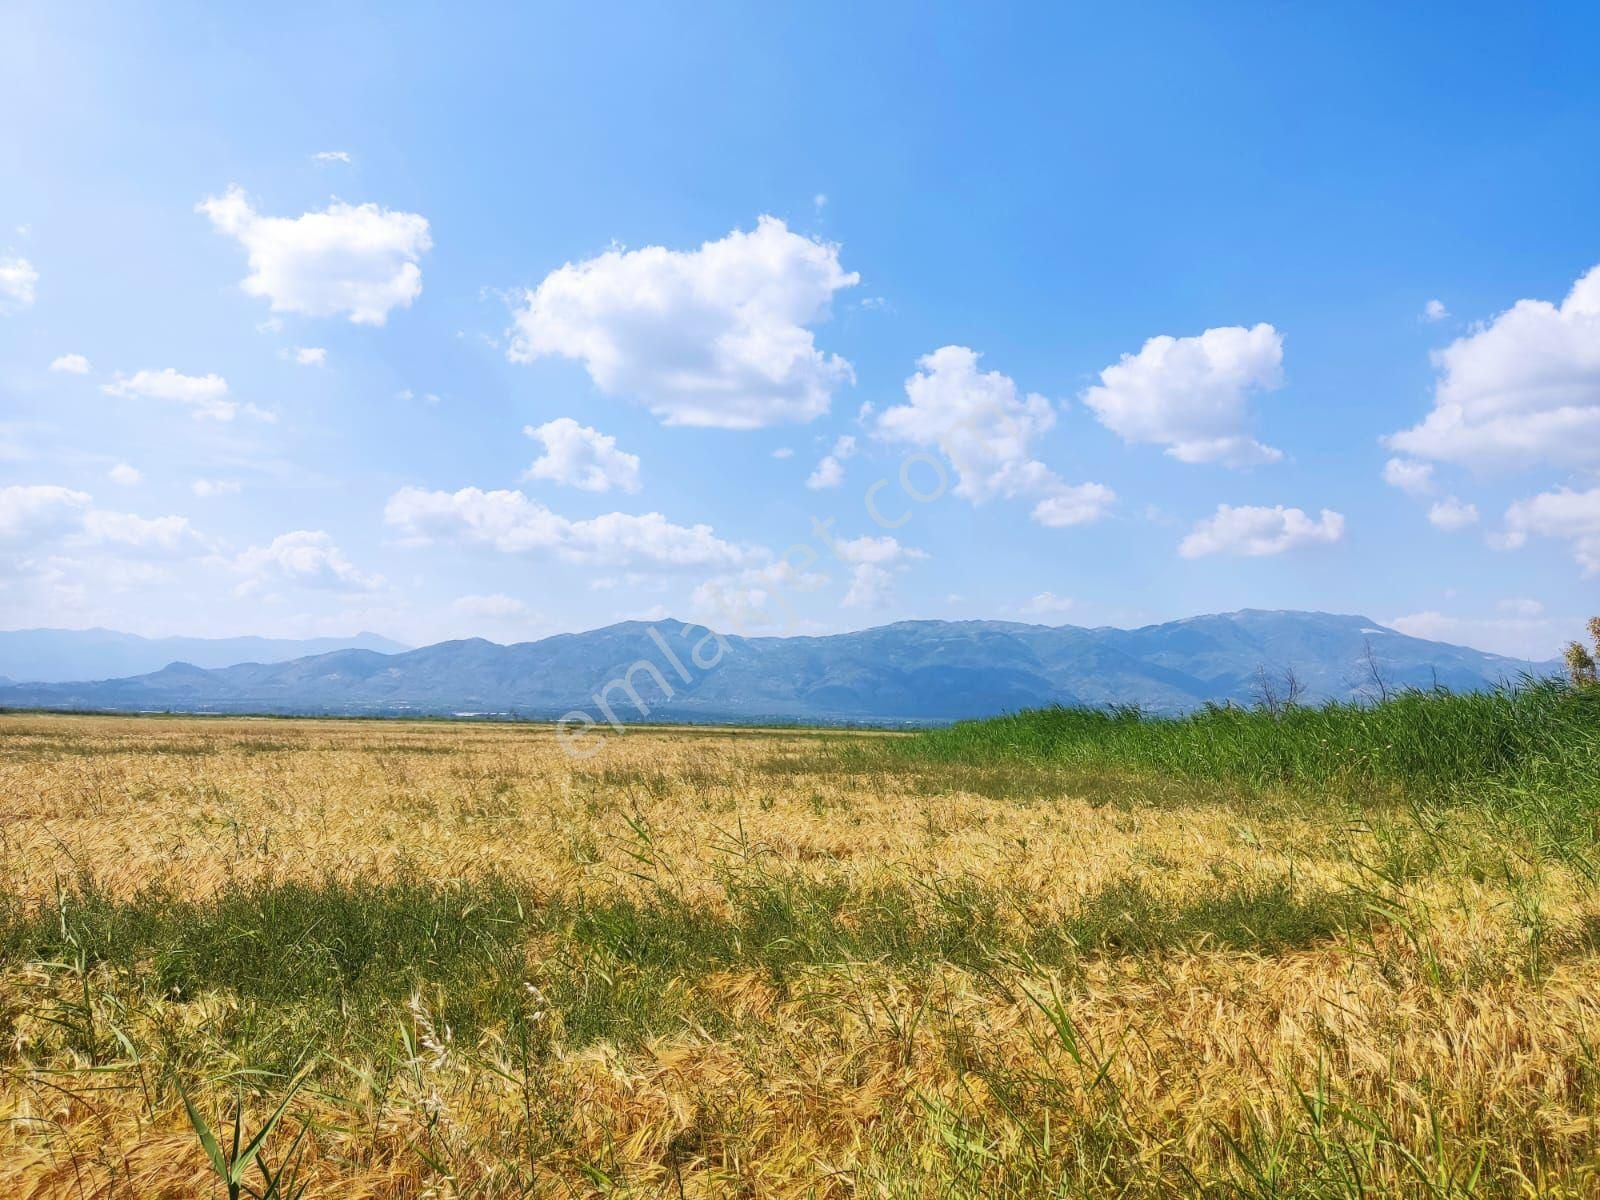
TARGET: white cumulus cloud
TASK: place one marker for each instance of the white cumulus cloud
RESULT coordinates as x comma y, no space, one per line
1562,514
873,562
1074,504
1434,310
513,524
1253,531
876,550
306,558
1412,477
581,457
124,474
1521,391
355,260
308,356
39,515
1450,514
18,278
985,426
1192,394
206,396
871,586
829,471
31,512
157,535
72,364
717,336
755,596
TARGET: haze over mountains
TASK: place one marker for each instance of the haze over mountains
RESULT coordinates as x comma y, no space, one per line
908,672
58,655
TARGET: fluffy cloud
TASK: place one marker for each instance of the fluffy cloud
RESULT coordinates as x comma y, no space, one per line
206,396
758,595
755,596
871,586
1434,310
978,419
154,535
207,488
878,551
1250,531
830,471
354,260
306,558
72,364
873,562
581,457
124,474
716,336
17,281
1564,514
986,428
35,515
1450,514
31,512
1076,504
1523,390
1416,479
308,356
1191,394
1411,477
513,524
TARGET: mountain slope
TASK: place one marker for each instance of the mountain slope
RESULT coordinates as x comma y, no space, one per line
912,671
58,655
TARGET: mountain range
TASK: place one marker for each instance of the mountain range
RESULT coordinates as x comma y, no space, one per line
911,672
60,655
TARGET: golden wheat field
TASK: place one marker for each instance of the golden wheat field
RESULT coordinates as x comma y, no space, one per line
761,964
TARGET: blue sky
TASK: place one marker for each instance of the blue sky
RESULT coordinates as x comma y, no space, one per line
502,321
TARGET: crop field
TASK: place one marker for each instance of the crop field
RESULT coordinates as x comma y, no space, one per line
1345,952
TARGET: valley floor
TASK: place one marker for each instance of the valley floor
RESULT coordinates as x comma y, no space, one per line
766,964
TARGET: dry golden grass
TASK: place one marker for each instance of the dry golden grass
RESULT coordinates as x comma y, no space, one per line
768,965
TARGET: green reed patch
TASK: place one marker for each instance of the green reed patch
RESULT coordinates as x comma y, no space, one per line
341,958
307,962
1532,751
1267,916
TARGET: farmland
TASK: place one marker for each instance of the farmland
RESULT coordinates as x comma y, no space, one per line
1062,954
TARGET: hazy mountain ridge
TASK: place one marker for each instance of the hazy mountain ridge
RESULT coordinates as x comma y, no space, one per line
66,655
911,671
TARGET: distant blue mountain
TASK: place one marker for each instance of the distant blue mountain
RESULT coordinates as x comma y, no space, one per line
55,655
912,672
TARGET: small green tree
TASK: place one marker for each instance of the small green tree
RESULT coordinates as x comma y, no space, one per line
1580,663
